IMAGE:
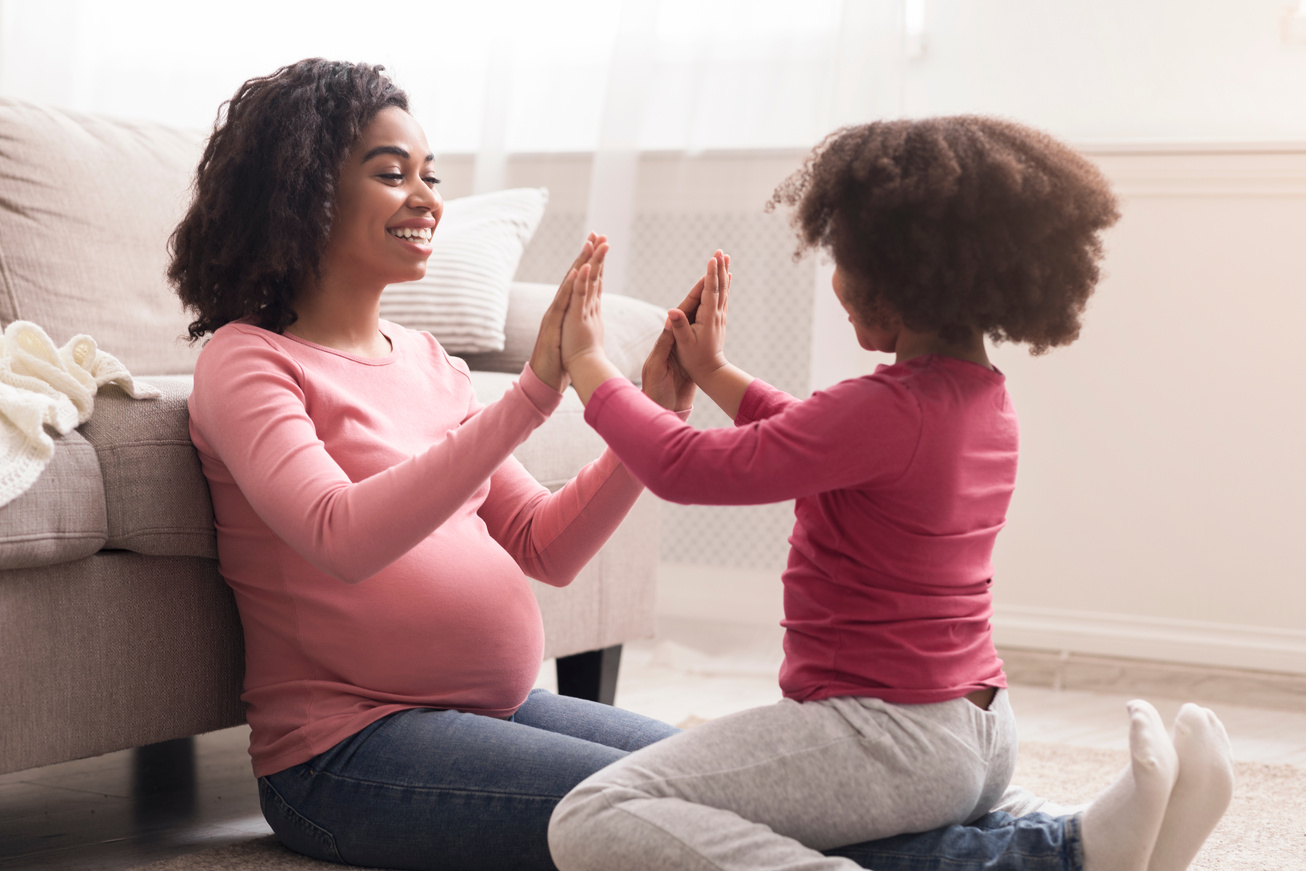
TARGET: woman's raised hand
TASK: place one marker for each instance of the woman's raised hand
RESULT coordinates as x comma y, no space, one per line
546,357
699,323
582,325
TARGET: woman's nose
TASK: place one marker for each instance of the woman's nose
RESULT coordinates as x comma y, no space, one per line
425,197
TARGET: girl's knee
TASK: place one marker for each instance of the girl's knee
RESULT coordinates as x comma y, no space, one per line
575,826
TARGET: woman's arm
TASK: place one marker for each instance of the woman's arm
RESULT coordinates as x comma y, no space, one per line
249,410
552,536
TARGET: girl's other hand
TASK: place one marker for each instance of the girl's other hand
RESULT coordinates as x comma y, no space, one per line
699,322
546,357
582,325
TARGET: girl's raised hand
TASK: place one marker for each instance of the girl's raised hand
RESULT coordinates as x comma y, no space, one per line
546,357
699,323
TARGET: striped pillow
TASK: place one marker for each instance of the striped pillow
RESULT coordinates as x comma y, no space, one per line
463,300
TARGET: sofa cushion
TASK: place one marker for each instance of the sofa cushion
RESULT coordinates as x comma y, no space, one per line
156,498
61,517
463,299
86,207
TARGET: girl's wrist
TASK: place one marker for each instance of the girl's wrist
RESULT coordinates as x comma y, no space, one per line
588,371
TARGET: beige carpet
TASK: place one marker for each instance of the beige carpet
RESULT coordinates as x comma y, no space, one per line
1264,829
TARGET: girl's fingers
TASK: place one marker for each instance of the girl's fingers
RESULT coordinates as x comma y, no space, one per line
711,290
678,325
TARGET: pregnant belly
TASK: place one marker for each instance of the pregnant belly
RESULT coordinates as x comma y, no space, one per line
451,626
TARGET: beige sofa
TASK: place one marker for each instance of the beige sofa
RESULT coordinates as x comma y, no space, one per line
116,629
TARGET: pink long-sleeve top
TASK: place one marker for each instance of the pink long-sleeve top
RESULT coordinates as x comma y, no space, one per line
902,480
377,532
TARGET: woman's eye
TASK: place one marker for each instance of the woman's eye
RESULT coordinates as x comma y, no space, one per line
431,180
392,176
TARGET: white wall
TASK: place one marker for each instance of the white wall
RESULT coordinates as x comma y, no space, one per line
1161,505
1116,70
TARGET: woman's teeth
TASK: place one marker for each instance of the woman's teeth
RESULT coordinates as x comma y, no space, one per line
418,234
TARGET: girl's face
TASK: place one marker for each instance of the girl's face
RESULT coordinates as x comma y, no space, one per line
878,336
386,206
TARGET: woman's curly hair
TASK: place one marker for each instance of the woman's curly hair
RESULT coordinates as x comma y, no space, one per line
265,190
957,225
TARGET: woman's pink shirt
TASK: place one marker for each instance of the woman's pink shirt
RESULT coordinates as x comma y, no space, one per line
377,532
902,480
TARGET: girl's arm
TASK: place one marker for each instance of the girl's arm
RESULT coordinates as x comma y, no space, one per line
858,432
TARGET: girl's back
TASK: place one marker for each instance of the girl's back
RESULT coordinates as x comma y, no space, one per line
887,587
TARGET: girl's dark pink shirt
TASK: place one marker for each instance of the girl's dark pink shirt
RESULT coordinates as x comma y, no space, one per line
902,480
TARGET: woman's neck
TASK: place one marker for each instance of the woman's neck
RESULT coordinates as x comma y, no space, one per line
344,321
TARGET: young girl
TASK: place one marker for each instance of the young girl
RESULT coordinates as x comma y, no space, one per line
895,717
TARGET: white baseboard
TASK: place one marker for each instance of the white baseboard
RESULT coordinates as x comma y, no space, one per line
1160,639
753,597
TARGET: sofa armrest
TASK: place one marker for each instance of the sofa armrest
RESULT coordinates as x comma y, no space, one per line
630,326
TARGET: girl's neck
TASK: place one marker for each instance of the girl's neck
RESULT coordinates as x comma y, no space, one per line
912,344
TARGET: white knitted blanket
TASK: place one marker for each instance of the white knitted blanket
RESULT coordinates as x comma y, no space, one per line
44,386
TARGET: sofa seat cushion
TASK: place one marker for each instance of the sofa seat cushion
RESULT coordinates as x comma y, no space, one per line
61,517
156,498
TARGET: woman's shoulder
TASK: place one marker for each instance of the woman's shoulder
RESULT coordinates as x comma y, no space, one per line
238,346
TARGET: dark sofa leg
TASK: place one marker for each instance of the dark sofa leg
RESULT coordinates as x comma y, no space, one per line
590,675
165,787
164,767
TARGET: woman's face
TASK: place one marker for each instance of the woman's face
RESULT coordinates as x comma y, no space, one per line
386,205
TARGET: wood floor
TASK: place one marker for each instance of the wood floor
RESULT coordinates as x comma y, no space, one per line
98,814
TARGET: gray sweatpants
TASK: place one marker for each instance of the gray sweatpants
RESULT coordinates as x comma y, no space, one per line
769,787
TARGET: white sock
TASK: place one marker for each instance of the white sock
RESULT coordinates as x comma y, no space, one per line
1121,824
1201,793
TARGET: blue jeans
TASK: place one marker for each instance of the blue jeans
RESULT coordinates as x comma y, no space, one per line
995,842
428,789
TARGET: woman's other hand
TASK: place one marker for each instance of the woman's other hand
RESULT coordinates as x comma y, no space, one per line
699,323
664,378
546,357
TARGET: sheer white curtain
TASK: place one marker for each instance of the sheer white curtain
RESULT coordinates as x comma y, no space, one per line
499,75
494,77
